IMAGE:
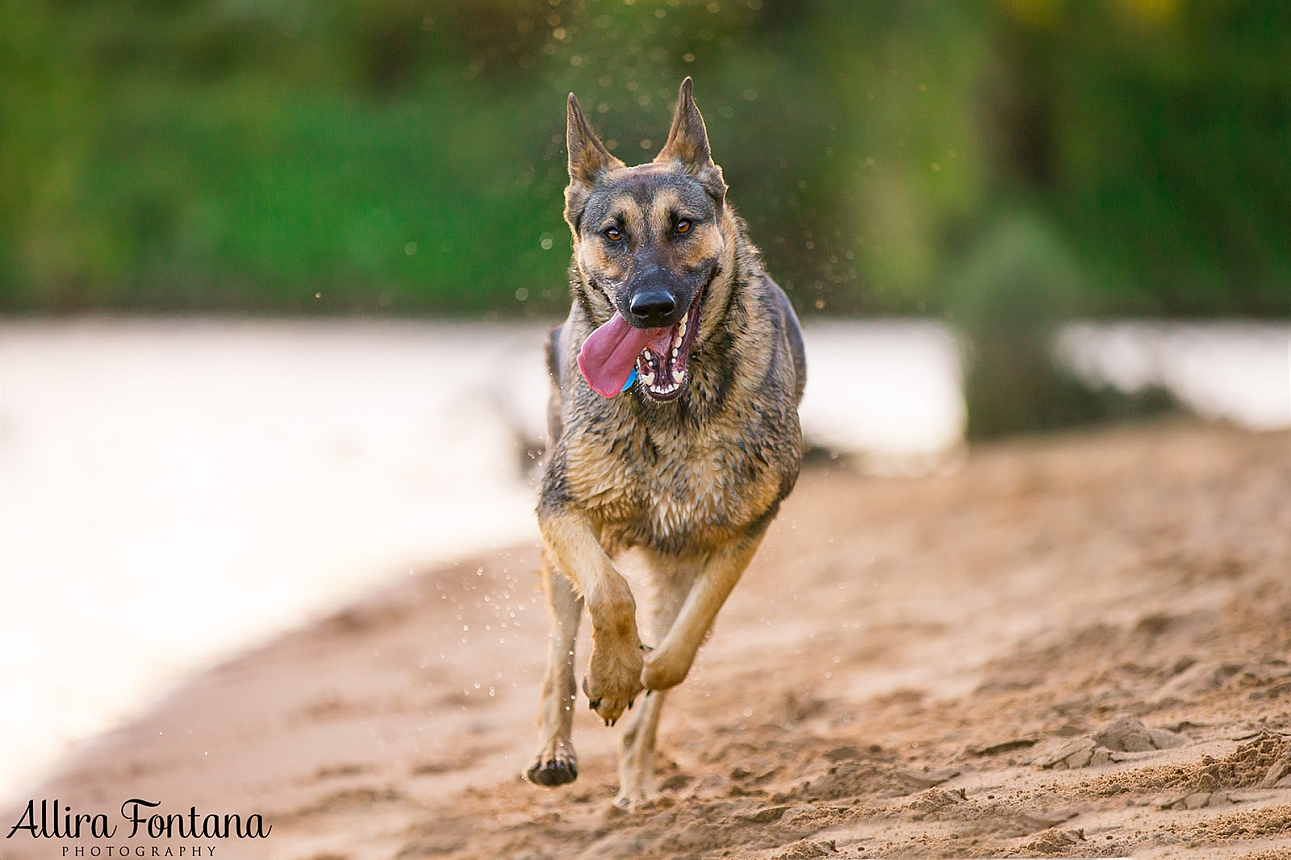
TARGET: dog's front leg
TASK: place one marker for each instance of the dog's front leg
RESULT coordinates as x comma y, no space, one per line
668,665
614,675
555,763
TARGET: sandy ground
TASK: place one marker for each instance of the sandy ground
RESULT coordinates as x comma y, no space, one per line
1073,646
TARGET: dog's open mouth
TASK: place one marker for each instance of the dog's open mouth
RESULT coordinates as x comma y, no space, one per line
660,356
662,365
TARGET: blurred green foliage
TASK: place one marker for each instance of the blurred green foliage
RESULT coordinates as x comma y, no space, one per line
407,156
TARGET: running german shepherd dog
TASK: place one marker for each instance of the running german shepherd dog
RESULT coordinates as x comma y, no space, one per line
673,429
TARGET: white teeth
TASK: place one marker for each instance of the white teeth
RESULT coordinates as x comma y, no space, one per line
647,378
674,353
681,329
678,375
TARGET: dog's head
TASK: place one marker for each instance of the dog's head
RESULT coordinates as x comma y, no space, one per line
648,241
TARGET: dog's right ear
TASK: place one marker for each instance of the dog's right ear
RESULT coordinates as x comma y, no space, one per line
588,159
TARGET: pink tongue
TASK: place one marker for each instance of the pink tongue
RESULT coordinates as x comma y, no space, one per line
610,353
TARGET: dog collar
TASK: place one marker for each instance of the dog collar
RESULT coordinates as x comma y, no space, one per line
631,379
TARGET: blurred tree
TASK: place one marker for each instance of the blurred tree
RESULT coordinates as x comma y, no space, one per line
407,155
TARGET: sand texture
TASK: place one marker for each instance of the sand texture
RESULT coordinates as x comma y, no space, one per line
1072,646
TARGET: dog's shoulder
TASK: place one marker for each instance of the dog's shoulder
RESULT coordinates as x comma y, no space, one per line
775,330
793,332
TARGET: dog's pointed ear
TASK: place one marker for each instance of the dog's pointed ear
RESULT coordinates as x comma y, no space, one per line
687,144
588,159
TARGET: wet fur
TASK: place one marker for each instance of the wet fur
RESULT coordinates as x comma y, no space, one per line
691,484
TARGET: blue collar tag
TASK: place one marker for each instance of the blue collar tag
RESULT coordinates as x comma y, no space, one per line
631,379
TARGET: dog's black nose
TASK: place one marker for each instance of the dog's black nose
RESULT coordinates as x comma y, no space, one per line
651,309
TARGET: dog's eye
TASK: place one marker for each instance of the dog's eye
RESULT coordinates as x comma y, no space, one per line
613,234
683,226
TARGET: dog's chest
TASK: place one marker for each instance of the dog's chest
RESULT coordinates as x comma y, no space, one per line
671,491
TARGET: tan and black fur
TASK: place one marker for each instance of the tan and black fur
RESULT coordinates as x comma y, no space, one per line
690,482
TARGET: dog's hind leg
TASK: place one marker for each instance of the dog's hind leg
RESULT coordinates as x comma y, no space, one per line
672,582
636,755
555,762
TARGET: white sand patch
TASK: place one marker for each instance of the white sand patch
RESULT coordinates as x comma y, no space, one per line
172,491
1230,371
889,391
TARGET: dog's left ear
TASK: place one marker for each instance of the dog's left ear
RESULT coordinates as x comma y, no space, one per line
687,145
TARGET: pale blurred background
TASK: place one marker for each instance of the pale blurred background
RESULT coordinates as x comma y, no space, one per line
274,275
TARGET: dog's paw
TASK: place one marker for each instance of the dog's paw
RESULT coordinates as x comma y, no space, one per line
614,679
636,785
554,765
634,798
